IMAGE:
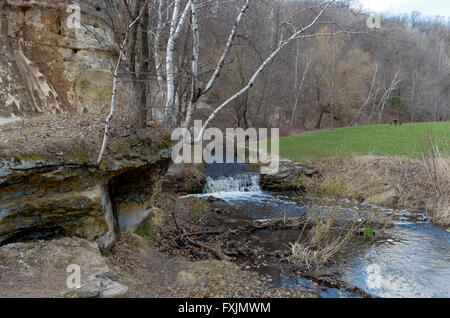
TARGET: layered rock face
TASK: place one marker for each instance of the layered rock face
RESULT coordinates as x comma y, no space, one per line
53,188
184,179
56,58
51,64
40,199
286,177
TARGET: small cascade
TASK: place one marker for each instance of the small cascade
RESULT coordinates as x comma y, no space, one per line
246,182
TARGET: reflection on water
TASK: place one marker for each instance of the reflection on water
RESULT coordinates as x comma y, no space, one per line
261,205
413,260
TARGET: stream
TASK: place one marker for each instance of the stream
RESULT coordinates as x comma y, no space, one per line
411,259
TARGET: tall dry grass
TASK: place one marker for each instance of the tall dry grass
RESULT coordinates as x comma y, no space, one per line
436,161
322,237
419,184
422,185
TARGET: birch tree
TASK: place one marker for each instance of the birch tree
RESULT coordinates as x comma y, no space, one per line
298,34
298,87
176,25
122,49
372,94
196,91
157,53
387,93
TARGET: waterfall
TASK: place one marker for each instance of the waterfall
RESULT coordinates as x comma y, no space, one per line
246,182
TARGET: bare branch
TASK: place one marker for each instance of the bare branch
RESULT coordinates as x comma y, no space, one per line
226,51
115,84
252,80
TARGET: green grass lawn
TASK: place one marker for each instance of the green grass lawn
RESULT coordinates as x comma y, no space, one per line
406,140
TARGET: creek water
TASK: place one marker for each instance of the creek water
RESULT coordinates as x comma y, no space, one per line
411,259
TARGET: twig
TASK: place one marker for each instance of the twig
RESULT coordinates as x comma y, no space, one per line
186,235
115,86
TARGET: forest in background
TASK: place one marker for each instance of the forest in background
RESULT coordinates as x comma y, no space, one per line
187,58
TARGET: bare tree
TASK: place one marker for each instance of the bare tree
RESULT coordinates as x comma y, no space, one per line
387,93
298,88
176,25
196,91
372,94
122,49
283,43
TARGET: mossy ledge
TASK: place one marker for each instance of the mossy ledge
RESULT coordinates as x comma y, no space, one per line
50,185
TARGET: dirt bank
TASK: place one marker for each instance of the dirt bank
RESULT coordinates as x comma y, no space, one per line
137,263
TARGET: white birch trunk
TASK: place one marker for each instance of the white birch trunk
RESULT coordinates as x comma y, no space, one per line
157,53
195,53
115,86
387,94
175,30
112,109
227,49
196,92
371,94
299,89
169,64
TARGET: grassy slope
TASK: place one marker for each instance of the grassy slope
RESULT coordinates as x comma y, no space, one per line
405,140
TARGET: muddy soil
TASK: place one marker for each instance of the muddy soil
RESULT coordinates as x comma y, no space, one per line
147,272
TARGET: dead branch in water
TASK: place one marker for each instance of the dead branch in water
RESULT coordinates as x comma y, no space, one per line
204,233
281,223
216,252
273,224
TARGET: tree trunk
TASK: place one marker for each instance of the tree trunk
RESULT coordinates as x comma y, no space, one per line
115,87
319,121
143,83
176,26
138,116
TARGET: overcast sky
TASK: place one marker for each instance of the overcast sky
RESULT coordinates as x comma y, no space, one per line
426,7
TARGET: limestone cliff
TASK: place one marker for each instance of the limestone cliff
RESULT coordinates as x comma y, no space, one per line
48,65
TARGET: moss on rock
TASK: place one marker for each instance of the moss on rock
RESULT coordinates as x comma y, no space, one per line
48,185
